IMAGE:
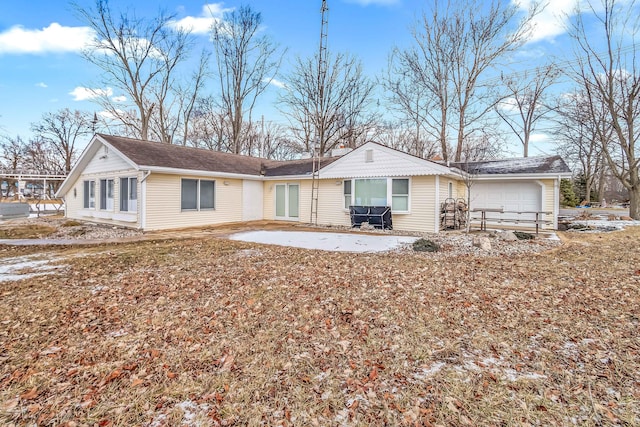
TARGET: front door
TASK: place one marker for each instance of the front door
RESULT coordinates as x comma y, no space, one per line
287,201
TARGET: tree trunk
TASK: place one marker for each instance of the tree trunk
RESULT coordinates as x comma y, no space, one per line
634,203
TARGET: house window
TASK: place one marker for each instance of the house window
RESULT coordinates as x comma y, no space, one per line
377,192
197,194
128,194
371,192
400,195
106,194
346,186
89,194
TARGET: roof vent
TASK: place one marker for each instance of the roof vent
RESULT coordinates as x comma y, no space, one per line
368,156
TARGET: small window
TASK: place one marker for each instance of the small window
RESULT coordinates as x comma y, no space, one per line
197,195
346,186
106,194
128,194
89,197
400,195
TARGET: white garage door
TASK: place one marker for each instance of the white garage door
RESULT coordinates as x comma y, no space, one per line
517,196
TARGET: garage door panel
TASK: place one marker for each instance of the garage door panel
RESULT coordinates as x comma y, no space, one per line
514,196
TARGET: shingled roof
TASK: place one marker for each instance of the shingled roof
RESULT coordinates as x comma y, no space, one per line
525,165
156,154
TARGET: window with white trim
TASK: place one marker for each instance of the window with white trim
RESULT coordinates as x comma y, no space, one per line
89,194
197,194
392,192
129,194
106,194
400,195
346,191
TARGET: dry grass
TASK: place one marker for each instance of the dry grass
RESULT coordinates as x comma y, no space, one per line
214,332
33,231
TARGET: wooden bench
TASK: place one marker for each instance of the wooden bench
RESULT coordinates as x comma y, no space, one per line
483,219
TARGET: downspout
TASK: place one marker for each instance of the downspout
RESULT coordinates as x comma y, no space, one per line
143,196
436,208
556,201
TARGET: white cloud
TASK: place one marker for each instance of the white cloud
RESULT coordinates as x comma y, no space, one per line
552,21
376,2
276,83
42,85
211,14
539,138
509,105
54,38
120,98
84,93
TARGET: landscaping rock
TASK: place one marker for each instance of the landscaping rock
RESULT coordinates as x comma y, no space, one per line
482,242
508,236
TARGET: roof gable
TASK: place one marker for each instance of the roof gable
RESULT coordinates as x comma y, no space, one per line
376,160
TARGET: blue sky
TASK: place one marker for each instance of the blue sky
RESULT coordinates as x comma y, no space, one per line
41,71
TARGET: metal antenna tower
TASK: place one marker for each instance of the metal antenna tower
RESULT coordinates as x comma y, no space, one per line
318,143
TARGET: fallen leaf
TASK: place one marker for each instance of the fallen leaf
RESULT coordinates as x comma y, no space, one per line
29,395
136,382
10,404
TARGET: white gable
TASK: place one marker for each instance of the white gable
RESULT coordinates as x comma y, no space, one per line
106,160
374,160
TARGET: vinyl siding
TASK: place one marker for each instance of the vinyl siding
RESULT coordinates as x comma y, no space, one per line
105,162
422,199
331,204
548,201
163,211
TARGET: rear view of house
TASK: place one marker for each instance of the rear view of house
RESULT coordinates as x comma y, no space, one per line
154,186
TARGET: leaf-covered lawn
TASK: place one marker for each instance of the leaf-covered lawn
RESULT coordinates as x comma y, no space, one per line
213,332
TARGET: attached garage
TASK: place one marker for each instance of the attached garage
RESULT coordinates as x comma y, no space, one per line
522,196
514,190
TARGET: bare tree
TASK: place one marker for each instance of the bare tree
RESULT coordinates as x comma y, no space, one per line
611,83
455,44
329,106
141,58
524,105
12,152
411,103
246,62
578,139
62,131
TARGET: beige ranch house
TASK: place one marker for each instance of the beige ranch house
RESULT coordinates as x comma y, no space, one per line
153,186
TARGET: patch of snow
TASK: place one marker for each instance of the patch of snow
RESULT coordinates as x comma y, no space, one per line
11,266
513,375
425,373
337,242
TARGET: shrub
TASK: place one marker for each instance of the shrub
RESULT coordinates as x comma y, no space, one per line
425,245
521,235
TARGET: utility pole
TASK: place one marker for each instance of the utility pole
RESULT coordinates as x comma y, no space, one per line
318,143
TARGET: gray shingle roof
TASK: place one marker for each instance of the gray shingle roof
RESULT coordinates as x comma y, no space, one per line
156,154
524,165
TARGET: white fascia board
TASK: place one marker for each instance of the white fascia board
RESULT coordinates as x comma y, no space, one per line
291,177
194,172
515,176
